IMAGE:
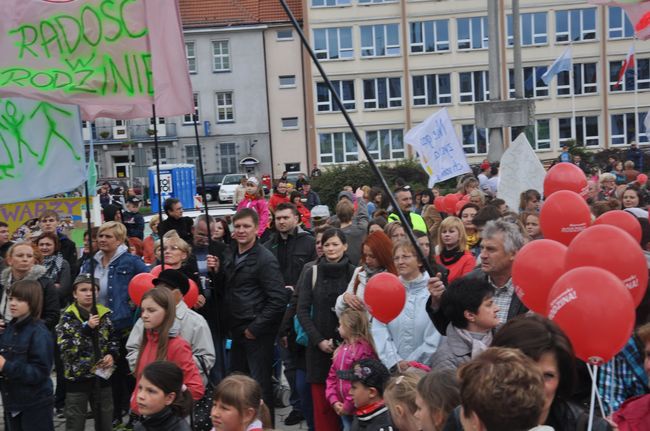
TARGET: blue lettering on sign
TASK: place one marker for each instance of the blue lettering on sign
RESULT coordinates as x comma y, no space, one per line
426,141
449,172
439,131
445,150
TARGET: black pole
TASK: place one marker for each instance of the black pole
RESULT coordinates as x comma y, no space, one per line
362,145
202,174
160,204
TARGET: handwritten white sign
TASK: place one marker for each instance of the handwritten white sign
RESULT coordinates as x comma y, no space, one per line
520,170
438,147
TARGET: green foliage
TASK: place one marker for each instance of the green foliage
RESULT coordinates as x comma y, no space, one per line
332,180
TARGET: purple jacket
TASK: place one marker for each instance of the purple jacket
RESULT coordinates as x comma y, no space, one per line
338,390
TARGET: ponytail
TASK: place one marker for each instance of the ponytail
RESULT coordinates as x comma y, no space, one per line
168,377
242,392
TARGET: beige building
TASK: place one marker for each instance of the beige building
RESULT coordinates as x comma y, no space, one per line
397,62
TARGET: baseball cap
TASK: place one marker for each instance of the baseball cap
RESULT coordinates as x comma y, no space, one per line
174,279
133,200
370,372
485,165
253,180
320,211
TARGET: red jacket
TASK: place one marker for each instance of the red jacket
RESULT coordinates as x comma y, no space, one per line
305,215
634,414
178,352
276,200
463,266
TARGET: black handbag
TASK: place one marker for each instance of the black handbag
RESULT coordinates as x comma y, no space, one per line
202,408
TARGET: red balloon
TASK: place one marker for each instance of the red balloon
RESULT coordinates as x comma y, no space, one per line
610,248
623,220
642,179
565,176
450,203
192,295
592,307
384,296
534,281
439,203
563,216
459,206
156,270
139,285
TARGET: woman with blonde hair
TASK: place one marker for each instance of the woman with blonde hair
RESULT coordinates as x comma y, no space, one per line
452,250
150,241
178,255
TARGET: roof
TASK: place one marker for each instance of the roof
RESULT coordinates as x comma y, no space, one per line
203,13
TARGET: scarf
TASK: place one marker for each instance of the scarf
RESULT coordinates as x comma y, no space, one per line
251,197
479,345
53,266
473,239
449,257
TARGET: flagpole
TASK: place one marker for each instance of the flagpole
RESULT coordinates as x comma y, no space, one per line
573,96
636,95
158,181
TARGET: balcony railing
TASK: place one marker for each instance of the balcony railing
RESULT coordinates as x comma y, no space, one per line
124,133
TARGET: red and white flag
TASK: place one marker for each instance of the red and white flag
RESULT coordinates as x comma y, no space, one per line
628,63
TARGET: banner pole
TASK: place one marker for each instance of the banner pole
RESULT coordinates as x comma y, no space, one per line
373,166
158,182
202,175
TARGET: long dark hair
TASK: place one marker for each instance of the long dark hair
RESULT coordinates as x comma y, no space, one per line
168,377
226,230
164,298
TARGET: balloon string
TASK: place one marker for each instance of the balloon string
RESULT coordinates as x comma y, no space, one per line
598,397
593,396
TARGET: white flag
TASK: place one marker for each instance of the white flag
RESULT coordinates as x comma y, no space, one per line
438,147
520,170
41,149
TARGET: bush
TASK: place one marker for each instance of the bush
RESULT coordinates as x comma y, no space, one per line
332,180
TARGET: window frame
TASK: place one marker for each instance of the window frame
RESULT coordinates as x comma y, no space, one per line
578,74
640,133
582,31
339,49
532,27
346,156
343,3
349,104
536,141
283,39
475,137
191,58
641,69
392,101
386,133
486,92
223,57
424,36
187,118
374,48
623,28
484,35
290,127
225,106
537,89
427,79
284,86
581,129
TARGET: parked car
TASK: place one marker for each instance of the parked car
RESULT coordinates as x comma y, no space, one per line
228,185
292,177
212,185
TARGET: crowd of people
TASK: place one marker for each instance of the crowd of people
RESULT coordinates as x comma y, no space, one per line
281,290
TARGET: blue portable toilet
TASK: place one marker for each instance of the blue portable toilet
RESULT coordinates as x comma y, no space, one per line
176,181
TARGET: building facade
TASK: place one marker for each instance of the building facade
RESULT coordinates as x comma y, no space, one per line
396,62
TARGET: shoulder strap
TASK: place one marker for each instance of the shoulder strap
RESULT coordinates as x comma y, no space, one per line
314,275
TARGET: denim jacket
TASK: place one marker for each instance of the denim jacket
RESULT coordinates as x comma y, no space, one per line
28,348
120,272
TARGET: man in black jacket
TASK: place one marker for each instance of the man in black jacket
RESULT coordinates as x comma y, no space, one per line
501,242
293,247
49,222
255,300
175,220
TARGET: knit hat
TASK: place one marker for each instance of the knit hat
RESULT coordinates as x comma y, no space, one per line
253,180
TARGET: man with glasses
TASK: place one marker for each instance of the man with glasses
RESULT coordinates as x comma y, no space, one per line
175,220
279,196
404,199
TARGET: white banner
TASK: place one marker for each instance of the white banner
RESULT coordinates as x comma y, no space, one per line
41,149
520,170
438,147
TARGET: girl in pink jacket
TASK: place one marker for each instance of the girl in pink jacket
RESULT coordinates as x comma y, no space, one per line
357,344
255,199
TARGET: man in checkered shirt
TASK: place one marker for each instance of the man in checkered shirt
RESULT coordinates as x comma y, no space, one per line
501,240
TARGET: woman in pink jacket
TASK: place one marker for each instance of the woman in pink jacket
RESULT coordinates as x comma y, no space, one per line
255,199
357,344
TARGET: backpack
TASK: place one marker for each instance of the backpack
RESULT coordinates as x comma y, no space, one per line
301,335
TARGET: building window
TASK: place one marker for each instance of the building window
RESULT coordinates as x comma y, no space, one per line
187,119
429,90
228,158
430,36
586,131
380,40
287,81
290,123
163,155
538,135
282,35
474,86
220,56
190,54
387,144
533,29
533,84
620,26
376,1
191,155
575,25
624,129
382,93
325,101
475,141
472,32
225,111
339,147
326,3
585,80
627,83
333,43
